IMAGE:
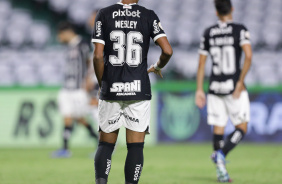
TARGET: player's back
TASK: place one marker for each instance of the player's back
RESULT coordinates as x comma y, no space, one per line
224,42
125,30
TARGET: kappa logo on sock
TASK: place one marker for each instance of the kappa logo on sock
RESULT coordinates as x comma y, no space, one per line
137,173
237,136
109,162
221,143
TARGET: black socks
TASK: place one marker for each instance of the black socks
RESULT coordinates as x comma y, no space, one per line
102,162
101,181
233,140
134,162
218,142
66,136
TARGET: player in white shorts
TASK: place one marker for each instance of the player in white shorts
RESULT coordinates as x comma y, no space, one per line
121,36
73,98
227,96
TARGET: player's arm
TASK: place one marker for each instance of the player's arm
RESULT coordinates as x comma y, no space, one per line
158,35
247,49
98,62
164,58
99,43
200,94
200,97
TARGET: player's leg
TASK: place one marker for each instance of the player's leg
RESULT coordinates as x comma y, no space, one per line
64,151
89,127
110,114
218,137
66,109
82,110
218,117
137,123
239,113
235,138
135,157
67,132
103,157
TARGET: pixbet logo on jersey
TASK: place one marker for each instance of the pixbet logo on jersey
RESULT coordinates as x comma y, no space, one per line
127,13
127,88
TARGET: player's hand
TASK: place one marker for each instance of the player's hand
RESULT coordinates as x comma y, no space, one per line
157,72
238,90
200,99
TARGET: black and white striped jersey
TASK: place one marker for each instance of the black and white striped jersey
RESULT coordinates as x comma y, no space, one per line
126,30
76,65
224,42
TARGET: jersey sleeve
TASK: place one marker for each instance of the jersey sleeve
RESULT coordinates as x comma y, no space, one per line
98,33
244,36
204,45
157,30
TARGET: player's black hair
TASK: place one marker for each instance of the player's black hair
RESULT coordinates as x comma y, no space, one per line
63,26
223,7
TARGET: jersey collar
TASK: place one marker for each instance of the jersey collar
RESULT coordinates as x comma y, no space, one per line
224,24
126,4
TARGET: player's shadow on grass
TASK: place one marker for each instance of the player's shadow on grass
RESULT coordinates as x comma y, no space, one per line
202,179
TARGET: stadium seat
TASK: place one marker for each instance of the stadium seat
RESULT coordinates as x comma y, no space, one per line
5,9
7,75
39,34
59,5
79,13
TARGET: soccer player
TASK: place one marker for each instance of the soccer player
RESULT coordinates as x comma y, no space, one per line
227,96
122,38
73,98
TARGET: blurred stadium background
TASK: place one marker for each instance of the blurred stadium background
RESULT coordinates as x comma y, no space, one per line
31,65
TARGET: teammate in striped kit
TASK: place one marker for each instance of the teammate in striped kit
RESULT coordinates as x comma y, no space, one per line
73,99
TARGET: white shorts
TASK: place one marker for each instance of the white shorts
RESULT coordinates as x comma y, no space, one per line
220,108
133,115
73,103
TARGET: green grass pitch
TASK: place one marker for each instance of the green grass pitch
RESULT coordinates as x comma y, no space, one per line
164,164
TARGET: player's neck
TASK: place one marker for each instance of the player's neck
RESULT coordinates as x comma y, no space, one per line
227,18
129,1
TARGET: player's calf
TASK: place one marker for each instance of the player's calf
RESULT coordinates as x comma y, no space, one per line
233,140
218,142
103,161
134,162
66,136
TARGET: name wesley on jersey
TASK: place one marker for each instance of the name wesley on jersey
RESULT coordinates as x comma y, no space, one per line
126,24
